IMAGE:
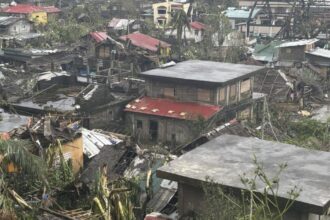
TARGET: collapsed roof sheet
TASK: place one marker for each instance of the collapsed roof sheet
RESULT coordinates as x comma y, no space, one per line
93,142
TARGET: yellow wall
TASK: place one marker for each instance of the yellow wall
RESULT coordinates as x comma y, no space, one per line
38,17
75,150
167,15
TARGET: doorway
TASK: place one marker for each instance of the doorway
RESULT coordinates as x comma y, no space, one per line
153,130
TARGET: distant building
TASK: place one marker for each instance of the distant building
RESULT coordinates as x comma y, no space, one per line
147,43
293,53
179,96
38,14
238,16
164,11
320,58
15,26
194,34
123,26
224,160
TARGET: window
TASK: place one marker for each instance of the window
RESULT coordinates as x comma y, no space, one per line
232,93
288,50
222,95
245,86
203,95
196,32
139,124
161,10
169,92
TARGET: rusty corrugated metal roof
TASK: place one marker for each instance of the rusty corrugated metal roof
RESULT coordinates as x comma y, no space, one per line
172,109
145,41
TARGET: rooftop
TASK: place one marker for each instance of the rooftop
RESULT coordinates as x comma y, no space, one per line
144,41
99,36
6,21
241,13
27,9
320,52
298,43
206,71
172,109
226,158
197,25
120,23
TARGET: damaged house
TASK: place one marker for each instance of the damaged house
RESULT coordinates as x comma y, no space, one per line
189,96
15,29
319,60
293,53
147,45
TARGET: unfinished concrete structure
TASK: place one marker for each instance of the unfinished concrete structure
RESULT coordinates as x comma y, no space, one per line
226,158
189,91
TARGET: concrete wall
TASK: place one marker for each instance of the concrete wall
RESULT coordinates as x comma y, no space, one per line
189,93
167,127
295,54
191,198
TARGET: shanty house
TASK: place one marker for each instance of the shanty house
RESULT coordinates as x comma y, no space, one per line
14,26
146,43
238,16
320,58
228,158
194,34
177,97
123,26
293,53
97,44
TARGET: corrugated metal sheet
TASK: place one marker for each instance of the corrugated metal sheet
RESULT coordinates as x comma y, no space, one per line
145,41
298,43
21,9
93,142
99,36
240,13
320,52
27,9
197,25
6,21
172,109
120,24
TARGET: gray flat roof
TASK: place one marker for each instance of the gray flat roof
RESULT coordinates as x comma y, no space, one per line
228,157
206,71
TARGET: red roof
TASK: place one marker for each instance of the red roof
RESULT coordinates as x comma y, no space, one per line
99,36
27,9
51,9
197,25
145,41
172,109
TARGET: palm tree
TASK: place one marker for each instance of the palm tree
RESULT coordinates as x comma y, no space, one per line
179,23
